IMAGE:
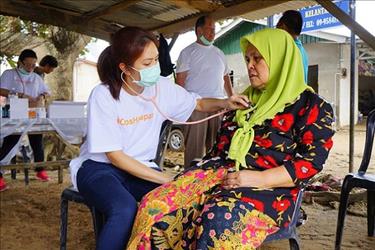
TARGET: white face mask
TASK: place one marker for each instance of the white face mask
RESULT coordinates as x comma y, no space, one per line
205,41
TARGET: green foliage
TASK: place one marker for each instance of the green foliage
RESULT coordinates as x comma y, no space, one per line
27,27
59,37
4,59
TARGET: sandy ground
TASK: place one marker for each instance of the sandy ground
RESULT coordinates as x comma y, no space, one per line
29,215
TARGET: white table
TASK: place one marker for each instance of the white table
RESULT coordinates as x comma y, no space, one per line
70,130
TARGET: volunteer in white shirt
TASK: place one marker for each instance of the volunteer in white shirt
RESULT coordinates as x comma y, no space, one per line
115,168
202,68
26,84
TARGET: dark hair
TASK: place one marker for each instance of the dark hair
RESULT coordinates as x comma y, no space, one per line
201,21
104,60
293,21
25,54
49,60
127,44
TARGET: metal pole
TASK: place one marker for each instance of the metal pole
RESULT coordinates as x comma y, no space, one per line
352,89
270,21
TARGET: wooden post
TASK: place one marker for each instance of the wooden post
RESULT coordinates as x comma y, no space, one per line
60,174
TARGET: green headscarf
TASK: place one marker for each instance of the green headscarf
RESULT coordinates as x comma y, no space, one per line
285,83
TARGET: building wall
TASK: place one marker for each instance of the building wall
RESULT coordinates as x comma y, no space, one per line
236,62
344,89
85,78
333,87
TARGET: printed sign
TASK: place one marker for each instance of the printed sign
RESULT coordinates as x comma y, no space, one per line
317,17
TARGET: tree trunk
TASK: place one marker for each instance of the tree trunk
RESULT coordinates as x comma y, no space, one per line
65,45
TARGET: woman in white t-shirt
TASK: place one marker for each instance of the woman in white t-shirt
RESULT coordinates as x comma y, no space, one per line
23,82
115,167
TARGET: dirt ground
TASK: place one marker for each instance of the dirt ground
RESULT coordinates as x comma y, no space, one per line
29,215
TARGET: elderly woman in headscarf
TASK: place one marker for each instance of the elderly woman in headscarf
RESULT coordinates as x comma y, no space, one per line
274,148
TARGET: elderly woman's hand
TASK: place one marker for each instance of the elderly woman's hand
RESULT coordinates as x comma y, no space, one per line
243,178
237,102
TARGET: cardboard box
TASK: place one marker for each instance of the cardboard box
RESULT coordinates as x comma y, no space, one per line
67,109
19,108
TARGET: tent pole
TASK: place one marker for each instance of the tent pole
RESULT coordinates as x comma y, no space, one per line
352,88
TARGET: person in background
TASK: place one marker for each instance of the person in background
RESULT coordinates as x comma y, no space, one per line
46,65
202,68
291,21
23,82
115,167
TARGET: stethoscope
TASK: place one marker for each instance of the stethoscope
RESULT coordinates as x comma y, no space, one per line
153,101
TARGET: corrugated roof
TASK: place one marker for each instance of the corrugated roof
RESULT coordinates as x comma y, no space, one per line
100,18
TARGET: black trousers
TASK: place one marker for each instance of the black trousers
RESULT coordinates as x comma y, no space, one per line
36,143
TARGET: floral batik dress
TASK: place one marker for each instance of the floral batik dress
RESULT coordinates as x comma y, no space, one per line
195,212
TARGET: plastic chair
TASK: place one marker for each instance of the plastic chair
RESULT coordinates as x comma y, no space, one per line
290,232
69,194
360,179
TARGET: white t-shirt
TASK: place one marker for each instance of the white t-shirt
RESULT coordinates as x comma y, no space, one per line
206,66
31,84
130,124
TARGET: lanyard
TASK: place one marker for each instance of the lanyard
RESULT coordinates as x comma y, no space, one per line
23,84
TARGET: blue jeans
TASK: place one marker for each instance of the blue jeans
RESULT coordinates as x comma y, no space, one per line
114,193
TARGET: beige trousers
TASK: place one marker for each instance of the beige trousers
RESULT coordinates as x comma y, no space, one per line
199,138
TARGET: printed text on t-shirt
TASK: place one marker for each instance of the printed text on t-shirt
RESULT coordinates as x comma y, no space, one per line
134,120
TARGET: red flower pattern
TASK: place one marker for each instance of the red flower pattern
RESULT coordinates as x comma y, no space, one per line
283,122
281,205
227,124
304,169
266,161
263,142
287,158
258,205
294,193
302,112
313,115
222,142
308,138
328,144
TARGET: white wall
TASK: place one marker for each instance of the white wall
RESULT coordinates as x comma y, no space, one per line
85,78
236,62
344,89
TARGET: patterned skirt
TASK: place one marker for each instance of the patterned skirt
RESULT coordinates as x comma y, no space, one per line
189,213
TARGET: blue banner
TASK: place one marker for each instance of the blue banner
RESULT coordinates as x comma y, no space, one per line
317,17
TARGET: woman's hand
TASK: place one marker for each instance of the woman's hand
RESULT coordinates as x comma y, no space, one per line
214,104
269,178
237,102
243,178
37,101
165,178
